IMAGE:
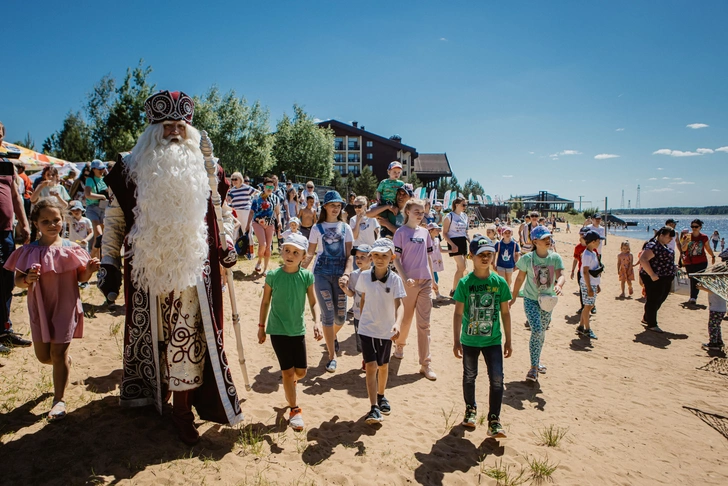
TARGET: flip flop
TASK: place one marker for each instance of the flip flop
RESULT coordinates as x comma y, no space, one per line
58,411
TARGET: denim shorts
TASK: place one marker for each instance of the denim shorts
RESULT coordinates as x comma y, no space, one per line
95,213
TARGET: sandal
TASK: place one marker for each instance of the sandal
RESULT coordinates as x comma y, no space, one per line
58,411
257,268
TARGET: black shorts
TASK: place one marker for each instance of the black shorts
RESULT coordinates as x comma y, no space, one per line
375,349
290,350
305,231
462,244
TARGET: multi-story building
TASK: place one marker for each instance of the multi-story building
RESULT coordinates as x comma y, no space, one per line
354,148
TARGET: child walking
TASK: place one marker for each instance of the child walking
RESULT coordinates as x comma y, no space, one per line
481,303
507,254
438,264
381,292
80,230
363,262
51,269
717,311
541,271
413,246
282,306
625,264
591,269
331,241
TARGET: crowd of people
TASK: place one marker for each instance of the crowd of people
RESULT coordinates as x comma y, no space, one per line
386,254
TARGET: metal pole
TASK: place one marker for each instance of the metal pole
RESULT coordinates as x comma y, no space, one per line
606,221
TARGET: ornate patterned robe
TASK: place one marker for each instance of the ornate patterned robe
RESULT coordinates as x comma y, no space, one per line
171,342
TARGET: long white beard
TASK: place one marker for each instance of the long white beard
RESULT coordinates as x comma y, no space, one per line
169,236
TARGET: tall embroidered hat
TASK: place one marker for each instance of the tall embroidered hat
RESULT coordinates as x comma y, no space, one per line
169,105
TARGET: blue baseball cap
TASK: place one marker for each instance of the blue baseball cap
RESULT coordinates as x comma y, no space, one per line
592,235
540,233
394,165
481,243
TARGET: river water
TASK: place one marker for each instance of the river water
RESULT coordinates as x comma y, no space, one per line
646,224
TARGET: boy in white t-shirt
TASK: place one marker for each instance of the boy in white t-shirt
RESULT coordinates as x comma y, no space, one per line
80,229
364,262
591,269
382,292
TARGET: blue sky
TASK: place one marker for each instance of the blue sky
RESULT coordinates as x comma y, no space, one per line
521,95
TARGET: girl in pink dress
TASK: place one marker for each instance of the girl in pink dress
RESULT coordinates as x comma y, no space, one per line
625,264
51,269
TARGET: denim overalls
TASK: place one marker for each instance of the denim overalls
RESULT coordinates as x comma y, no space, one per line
330,266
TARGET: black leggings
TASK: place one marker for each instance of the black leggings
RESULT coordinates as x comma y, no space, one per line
655,294
694,283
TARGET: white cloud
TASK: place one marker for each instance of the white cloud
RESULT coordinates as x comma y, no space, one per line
676,153
660,168
566,152
619,130
508,176
715,190
443,39
652,179
665,178
663,189
606,156
531,152
704,151
722,149
677,178
682,183
696,126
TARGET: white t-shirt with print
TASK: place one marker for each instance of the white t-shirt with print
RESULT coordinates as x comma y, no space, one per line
367,229
378,314
332,234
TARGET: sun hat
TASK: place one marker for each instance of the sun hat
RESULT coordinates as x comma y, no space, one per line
592,235
97,164
75,205
333,197
507,228
295,220
433,226
394,165
481,243
540,233
437,204
299,241
382,245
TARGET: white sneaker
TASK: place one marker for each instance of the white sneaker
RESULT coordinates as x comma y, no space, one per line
296,420
427,371
398,352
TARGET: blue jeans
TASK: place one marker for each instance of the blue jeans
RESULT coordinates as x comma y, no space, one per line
7,280
494,362
331,300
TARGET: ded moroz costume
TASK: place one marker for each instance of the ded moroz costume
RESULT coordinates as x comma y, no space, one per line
164,217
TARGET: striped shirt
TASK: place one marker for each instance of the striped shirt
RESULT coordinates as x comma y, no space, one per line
241,197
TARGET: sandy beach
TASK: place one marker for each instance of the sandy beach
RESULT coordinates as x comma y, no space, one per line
635,407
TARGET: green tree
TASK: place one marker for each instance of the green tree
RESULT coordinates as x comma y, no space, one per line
303,148
116,114
473,187
366,184
27,142
339,183
73,142
414,180
240,132
455,185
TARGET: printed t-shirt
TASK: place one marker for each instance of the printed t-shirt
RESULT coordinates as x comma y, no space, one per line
332,236
241,198
79,229
696,250
388,189
663,263
378,315
98,186
353,279
437,264
540,273
367,228
481,315
263,207
413,246
458,225
288,301
506,252
590,259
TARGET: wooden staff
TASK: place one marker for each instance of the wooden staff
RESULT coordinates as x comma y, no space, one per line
211,168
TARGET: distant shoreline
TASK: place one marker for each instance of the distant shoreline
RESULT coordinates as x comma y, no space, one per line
673,211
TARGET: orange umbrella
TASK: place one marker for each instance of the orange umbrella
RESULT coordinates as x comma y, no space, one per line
32,159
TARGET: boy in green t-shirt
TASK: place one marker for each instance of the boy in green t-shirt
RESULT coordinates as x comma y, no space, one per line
481,302
286,289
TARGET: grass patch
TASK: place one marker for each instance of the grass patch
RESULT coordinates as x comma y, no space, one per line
551,436
541,469
251,440
450,417
504,474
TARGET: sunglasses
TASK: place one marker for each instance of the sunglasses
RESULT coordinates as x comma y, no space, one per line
357,206
309,187
270,187
694,227
234,179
